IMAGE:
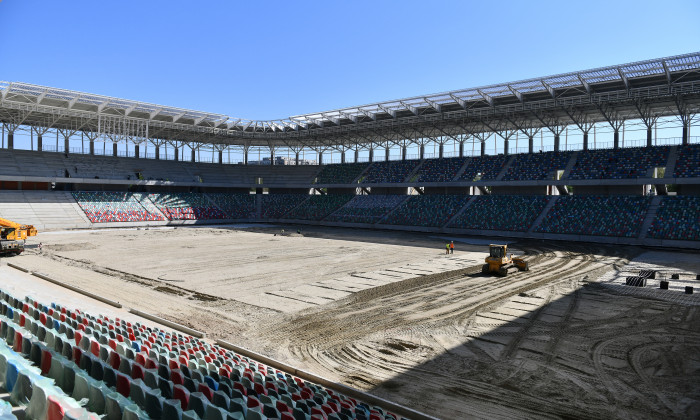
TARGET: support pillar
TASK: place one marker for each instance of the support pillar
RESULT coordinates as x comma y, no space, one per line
483,148
386,154
357,155
114,149
556,142
585,141
422,151
616,139
136,151
177,154
272,157
505,147
371,155
342,156
11,140
441,150
194,155
296,158
404,152
39,143
686,132
320,158
92,146
461,149
530,144
66,144
650,137
157,151
221,157
245,156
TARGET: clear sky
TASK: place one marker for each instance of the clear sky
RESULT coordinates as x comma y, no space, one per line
274,59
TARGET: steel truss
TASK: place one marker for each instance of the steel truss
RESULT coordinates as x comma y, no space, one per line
646,90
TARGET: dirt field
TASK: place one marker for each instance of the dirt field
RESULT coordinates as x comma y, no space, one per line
389,313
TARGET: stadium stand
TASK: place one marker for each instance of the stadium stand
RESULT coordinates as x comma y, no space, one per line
620,163
501,212
343,173
43,209
536,166
427,210
389,172
275,206
483,168
677,218
620,216
236,206
366,208
439,170
318,206
55,356
688,162
186,206
102,207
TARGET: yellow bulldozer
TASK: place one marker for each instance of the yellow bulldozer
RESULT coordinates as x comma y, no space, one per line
13,235
500,262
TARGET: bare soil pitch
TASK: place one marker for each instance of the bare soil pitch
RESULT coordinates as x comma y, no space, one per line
391,314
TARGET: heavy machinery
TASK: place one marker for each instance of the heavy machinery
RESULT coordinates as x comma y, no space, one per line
13,235
500,262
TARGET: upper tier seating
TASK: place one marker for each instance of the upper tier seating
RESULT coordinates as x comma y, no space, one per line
427,210
275,206
501,212
318,206
483,168
677,218
536,166
101,207
366,208
236,206
688,161
186,206
343,173
439,170
392,171
128,371
596,215
619,163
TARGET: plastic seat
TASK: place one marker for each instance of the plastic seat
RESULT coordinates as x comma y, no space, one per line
208,392
123,385
54,410
11,374
150,378
154,403
22,390
254,414
97,397
198,402
172,410
182,394
138,392
82,388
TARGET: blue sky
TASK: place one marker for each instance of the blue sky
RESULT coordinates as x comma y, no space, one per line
268,60
275,59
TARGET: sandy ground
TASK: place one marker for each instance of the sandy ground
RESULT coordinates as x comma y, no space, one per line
389,313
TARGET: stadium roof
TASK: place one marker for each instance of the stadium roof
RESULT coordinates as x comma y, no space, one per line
663,86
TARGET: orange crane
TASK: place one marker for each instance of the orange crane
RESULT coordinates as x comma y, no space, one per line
13,235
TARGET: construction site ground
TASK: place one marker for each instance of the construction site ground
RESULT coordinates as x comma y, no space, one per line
391,314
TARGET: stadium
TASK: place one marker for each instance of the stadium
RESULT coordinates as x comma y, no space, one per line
181,264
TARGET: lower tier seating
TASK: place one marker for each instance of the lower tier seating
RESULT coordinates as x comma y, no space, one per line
275,206
124,370
366,208
677,218
501,212
688,162
318,206
596,215
236,206
101,207
186,206
427,210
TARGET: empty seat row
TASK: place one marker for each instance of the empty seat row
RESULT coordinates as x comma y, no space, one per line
366,208
501,212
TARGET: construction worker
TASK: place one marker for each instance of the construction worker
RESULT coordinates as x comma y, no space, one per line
452,247
447,249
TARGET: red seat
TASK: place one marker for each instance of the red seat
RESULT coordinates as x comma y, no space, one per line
140,359
208,392
327,409
316,411
45,361
151,364
239,386
17,345
137,371
181,393
177,377
286,416
282,407
114,360
54,410
78,336
259,388
22,320
77,354
95,348
123,385
253,402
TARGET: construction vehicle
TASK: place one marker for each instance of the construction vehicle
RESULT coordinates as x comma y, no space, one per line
13,235
500,262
